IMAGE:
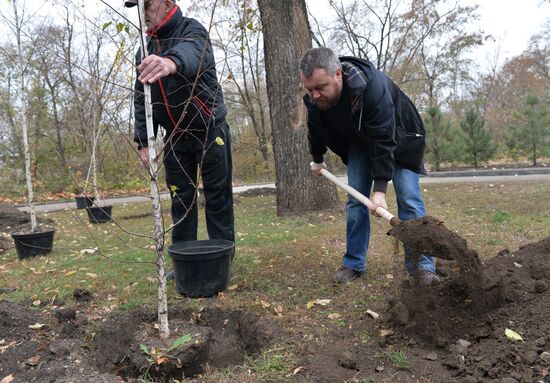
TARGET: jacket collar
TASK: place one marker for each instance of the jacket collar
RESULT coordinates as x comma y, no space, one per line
164,28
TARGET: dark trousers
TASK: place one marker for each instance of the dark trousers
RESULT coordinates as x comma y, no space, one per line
183,160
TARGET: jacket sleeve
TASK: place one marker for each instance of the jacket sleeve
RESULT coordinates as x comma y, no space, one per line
140,127
377,126
193,53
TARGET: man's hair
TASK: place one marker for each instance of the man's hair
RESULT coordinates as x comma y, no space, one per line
319,58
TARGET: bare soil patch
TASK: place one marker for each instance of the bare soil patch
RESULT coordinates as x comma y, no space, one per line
451,332
74,345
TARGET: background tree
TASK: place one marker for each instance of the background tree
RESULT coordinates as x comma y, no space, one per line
530,134
298,189
439,139
477,140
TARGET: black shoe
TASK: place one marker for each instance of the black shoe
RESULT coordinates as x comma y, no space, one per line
169,275
345,275
426,278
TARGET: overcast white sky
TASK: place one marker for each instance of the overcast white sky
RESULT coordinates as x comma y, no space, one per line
510,22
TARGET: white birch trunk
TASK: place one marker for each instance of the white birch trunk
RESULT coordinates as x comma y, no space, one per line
95,139
23,98
164,330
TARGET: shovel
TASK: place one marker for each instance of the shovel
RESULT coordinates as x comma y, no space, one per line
423,236
393,220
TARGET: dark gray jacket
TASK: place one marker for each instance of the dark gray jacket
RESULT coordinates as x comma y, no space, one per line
384,119
193,91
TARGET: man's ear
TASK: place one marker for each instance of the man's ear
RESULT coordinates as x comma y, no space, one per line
338,73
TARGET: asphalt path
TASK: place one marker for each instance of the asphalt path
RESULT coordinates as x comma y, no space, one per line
472,177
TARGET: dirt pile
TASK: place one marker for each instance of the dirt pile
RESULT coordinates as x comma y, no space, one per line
469,324
67,345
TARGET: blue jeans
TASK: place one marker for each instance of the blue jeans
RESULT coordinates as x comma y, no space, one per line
409,206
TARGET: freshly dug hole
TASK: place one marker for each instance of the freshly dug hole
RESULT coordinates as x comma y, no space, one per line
220,339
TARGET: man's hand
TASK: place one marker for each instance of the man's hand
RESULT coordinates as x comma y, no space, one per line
379,200
144,156
316,167
153,67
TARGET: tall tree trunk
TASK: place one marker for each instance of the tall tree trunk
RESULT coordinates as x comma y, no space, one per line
24,126
298,189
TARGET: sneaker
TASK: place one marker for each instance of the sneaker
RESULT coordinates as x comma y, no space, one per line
426,278
345,275
169,275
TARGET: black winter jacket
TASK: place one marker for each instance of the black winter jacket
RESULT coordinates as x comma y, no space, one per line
384,119
186,42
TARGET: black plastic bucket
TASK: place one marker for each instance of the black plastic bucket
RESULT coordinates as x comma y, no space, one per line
82,202
33,244
99,214
201,268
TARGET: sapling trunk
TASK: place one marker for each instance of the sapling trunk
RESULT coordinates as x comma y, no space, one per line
23,98
164,330
95,132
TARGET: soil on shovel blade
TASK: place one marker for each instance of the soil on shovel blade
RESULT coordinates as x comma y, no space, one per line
429,236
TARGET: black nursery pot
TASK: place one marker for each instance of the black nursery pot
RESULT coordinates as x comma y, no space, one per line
82,202
33,244
201,268
99,214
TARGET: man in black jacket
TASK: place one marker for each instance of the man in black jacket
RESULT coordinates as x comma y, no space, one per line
363,117
188,103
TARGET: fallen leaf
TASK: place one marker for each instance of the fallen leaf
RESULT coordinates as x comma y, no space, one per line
310,304
162,360
7,379
151,279
266,304
36,303
219,141
373,314
278,310
4,348
88,251
384,333
512,335
333,316
36,326
233,287
33,360
322,302
69,273
431,356
92,275
297,370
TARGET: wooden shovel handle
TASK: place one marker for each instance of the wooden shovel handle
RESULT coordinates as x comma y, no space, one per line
393,220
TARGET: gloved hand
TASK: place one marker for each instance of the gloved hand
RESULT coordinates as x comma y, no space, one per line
316,167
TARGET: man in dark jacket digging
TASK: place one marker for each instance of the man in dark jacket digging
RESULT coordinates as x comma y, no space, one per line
362,116
188,103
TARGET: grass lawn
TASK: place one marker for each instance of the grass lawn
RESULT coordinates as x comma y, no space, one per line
281,264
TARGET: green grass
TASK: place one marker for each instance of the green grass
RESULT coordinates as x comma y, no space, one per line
272,366
399,359
280,261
